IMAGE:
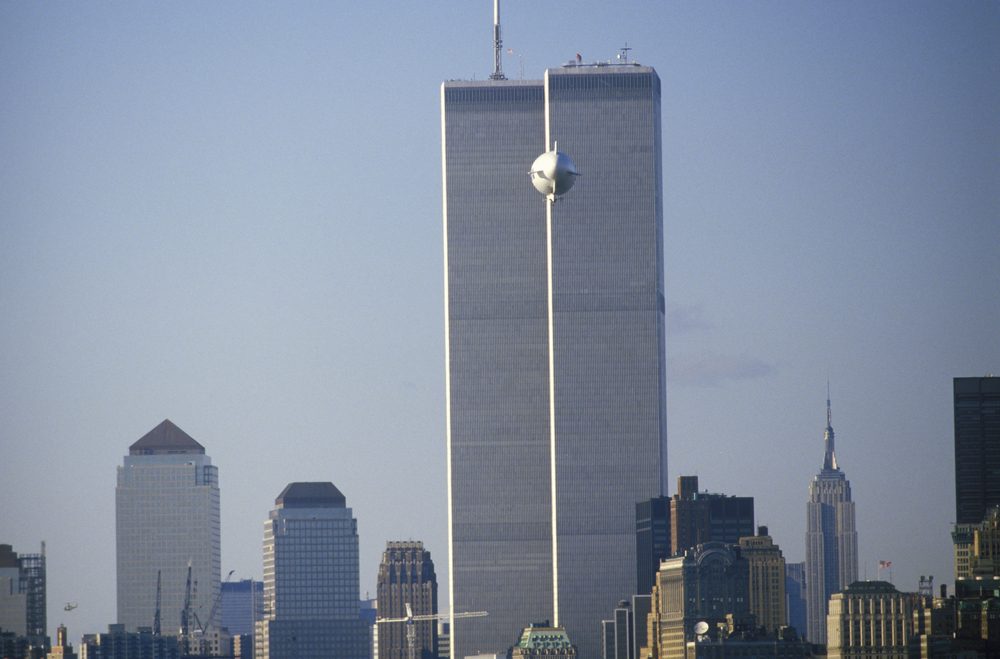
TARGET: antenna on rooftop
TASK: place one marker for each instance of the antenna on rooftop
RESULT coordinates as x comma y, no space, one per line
623,53
497,44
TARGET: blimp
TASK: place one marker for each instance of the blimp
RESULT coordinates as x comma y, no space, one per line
553,173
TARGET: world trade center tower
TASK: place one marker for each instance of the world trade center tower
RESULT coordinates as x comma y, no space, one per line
545,465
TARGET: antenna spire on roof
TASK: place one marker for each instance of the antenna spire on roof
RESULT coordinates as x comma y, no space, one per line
497,44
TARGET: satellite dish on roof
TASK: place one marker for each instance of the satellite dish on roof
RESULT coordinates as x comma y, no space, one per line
701,627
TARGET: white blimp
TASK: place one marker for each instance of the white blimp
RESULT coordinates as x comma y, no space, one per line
553,173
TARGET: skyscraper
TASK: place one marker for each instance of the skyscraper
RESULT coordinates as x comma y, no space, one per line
831,538
555,405
167,516
311,580
406,578
767,580
977,460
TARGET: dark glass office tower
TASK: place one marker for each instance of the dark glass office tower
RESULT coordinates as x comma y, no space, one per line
541,507
977,448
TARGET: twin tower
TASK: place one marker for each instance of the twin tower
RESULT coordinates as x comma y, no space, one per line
556,411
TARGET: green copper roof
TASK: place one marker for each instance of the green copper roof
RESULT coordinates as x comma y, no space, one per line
535,637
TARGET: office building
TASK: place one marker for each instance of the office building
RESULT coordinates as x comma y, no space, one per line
795,595
767,580
977,447
167,518
406,578
555,413
118,643
977,461
831,538
22,596
617,641
707,584
870,620
667,526
542,641
62,648
311,580
242,605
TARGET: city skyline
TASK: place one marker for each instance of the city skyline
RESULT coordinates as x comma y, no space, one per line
190,230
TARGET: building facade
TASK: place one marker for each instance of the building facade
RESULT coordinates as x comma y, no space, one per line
406,577
667,526
831,538
118,643
167,518
22,596
541,641
795,595
568,396
311,578
707,584
767,580
870,620
977,461
242,606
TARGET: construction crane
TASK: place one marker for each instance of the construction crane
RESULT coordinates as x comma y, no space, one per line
411,628
199,628
186,612
156,616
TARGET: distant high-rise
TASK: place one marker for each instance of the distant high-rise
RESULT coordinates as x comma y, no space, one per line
977,447
22,595
555,404
167,516
667,526
795,595
406,577
767,580
831,538
242,605
311,579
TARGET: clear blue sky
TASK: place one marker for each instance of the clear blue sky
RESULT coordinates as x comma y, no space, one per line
229,215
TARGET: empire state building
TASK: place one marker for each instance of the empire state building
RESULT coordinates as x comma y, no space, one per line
831,538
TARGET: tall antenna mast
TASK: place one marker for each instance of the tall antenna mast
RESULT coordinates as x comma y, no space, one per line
497,44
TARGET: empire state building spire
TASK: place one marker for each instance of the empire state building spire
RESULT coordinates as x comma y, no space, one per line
830,457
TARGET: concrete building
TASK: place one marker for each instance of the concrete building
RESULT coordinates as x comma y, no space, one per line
542,641
767,580
62,648
667,526
311,578
831,538
566,389
617,640
22,596
406,577
167,517
708,584
870,620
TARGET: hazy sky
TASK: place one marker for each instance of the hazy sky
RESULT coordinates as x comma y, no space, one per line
229,214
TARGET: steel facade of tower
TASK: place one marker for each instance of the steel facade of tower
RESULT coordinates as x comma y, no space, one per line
167,517
525,546
831,539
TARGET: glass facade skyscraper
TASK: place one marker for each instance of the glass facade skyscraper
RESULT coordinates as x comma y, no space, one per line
311,580
542,487
831,538
167,516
